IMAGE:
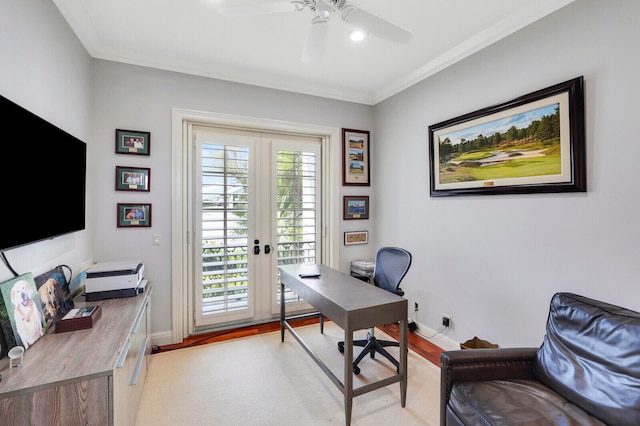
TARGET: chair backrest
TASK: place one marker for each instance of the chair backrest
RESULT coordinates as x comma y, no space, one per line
591,356
392,264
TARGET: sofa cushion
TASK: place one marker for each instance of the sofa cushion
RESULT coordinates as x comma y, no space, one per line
591,357
515,402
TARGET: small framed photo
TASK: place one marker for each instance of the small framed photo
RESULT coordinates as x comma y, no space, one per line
134,215
356,207
133,179
355,157
133,142
356,237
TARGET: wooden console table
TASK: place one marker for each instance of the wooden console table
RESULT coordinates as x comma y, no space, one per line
353,305
85,377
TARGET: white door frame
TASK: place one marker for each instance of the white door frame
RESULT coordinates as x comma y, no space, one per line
182,237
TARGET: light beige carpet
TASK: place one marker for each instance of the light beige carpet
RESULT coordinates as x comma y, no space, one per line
260,381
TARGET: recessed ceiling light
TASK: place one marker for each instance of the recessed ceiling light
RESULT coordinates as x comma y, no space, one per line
357,35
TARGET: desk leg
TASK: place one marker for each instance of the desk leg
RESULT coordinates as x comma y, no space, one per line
404,349
348,375
282,317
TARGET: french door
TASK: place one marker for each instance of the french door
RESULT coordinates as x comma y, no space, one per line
256,204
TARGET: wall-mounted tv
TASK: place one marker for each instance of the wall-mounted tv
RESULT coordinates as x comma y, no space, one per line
42,178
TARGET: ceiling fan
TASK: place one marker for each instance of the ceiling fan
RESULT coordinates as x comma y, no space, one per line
315,42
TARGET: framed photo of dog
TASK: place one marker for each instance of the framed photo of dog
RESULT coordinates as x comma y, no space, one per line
22,318
54,293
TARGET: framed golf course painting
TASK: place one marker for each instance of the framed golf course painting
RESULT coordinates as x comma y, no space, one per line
531,144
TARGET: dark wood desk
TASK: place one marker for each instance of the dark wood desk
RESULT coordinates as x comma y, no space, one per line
353,305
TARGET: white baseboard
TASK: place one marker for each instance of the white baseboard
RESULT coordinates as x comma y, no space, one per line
437,338
162,339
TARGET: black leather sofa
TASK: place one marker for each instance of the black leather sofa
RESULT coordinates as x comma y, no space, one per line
587,372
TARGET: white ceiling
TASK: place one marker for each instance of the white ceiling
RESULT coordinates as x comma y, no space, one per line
190,36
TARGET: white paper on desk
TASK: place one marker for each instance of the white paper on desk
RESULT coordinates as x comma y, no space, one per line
307,270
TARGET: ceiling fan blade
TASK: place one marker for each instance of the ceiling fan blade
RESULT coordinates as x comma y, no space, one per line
375,25
315,42
259,9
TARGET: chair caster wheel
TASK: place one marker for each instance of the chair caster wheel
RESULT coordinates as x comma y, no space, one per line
356,370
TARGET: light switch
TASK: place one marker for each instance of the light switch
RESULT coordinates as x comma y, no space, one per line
156,239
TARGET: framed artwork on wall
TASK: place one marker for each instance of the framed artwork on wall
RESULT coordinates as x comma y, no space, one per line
356,207
134,215
356,237
133,179
133,142
355,157
531,144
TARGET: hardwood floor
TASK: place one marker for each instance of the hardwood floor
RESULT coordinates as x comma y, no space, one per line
419,345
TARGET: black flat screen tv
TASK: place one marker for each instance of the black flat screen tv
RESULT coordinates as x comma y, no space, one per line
42,176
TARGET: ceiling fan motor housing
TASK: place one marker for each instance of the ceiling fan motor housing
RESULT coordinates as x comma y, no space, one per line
325,7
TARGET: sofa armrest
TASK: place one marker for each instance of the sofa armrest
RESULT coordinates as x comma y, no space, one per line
469,365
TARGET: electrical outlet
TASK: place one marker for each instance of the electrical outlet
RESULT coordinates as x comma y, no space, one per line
415,306
446,320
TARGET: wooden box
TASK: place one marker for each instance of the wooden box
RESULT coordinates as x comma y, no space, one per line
79,319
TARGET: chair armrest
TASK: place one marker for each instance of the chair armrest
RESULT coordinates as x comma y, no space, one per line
471,365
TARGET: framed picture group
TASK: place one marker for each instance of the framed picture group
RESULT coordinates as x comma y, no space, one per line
133,178
356,171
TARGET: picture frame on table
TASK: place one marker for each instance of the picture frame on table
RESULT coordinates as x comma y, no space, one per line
54,292
531,144
133,179
355,158
133,142
21,316
356,207
131,215
356,237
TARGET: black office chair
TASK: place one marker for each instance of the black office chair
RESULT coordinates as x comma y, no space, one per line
392,264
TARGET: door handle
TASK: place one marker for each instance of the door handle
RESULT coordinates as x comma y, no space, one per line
267,249
256,247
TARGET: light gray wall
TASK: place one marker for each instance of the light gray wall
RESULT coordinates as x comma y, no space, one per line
493,262
45,69
138,98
